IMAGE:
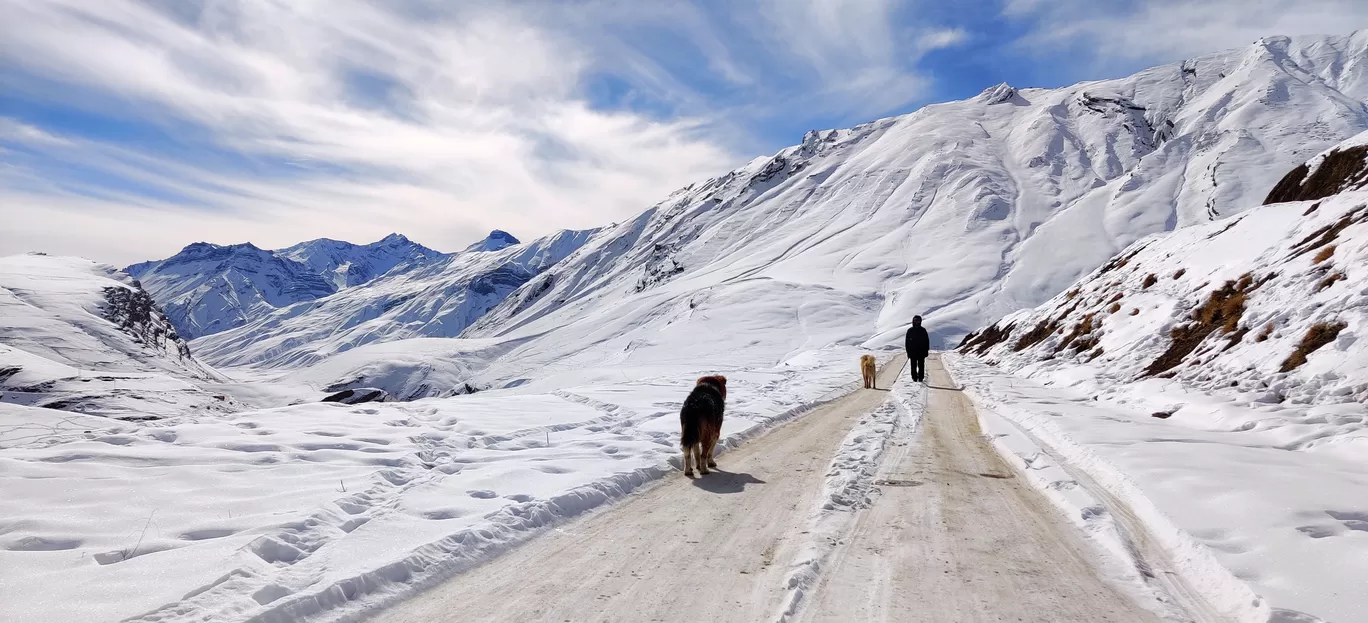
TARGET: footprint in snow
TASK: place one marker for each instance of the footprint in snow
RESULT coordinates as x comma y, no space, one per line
483,494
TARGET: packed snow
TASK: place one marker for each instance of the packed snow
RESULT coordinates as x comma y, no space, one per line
849,487
1264,533
282,513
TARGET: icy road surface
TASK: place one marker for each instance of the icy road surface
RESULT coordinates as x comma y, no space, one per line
968,542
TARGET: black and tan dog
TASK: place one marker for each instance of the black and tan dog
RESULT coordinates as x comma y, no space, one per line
701,421
868,371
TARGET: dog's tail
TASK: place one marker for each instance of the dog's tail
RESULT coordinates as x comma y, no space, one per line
693,431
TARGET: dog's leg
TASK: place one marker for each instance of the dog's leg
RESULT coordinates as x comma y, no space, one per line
688,461
702,456
712,445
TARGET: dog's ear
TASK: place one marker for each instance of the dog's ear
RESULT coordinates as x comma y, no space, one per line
722,379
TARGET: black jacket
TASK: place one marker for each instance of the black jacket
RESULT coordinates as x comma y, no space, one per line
918,343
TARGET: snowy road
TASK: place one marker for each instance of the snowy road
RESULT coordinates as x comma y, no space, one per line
957,536
970,543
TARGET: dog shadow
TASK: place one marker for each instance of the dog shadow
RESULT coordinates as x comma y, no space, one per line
725,482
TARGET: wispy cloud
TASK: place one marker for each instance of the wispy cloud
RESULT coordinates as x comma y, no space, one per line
129,128
275,121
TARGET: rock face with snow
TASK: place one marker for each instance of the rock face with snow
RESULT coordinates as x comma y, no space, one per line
961,212
88,315
438,299
81,336
208,288
1273,301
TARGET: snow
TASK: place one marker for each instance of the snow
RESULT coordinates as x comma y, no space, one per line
437,299
281,513
496,240
1239,514
60,349
956,211
265,504
1288,293
1177,382
208,288
849,487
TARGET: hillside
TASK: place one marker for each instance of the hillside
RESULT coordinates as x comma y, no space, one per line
1267,304
81,336
958,212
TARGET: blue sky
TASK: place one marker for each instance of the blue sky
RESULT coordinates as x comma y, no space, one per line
129,128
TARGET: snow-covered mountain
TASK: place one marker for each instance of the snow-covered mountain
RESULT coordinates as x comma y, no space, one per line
961,212
207,288
437,299
347,265
81,336
1268,303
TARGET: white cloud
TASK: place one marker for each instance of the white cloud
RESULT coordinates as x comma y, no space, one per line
456,150
940,39
353,119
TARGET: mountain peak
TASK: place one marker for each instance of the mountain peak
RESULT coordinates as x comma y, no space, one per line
394,239
497,239
999,93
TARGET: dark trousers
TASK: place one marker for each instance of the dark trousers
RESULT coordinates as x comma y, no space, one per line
918,368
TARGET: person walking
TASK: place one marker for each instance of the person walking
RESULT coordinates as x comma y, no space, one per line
918,347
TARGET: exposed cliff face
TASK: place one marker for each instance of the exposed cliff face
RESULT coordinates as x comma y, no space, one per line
136,314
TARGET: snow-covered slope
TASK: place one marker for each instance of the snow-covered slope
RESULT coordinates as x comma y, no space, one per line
1216,377
81,336
207,288
961,212
1341,168
438,299
1270,303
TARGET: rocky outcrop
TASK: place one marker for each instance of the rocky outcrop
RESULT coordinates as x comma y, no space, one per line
137,314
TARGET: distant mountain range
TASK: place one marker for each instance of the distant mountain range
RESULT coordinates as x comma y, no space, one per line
208,288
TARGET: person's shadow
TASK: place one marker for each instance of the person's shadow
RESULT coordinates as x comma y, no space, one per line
726,482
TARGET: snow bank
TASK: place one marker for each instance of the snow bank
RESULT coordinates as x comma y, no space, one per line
1235,513
849,487
328,510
